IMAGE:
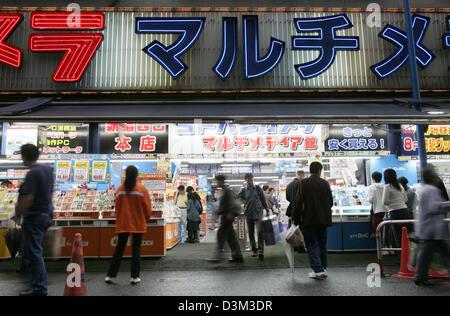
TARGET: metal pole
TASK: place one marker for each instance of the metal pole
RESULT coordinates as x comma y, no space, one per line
420,130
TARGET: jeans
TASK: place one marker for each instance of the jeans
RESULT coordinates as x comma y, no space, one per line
226,234
397,229
34,228
316,245
426,251
136,261
251,223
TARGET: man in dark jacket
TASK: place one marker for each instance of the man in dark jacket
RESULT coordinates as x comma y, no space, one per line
255,204
291,193
228,208
312,212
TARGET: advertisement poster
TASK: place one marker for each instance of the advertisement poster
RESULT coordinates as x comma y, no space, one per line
437,140
18,135
230,138
355,140
130,138
81,171
99,169
62,139
63,170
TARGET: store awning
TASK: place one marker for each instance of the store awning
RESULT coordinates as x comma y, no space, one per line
342,111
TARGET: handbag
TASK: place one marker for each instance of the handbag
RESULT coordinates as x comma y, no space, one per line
268,231
294,236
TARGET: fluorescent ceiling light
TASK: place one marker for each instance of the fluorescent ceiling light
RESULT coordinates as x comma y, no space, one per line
435,112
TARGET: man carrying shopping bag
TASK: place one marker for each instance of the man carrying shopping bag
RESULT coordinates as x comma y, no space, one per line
312,212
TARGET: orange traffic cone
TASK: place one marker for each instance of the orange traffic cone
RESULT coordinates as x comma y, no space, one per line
406,271
75,282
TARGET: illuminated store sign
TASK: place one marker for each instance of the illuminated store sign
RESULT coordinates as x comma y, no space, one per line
82,40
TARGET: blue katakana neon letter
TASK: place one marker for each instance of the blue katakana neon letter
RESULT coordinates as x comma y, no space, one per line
169,57
253,65
229,48
327,42
399,38
446,37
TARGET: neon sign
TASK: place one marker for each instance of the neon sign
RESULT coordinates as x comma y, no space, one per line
9,54
168,57
446,37
399,38
80,47
327,42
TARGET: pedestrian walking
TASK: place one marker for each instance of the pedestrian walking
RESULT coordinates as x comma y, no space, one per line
228,208
255,204
394,199
431,229
133,210
193,218
276,205
375,197
35,207
312,212
411,204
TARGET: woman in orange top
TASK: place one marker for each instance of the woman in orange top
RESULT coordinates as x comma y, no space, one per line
133,210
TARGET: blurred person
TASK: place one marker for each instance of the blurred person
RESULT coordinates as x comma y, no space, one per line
269,198
411,204
431,229
133,210
228,208
312,212
254,205
375,197
291,192
193,218
394,199
35,207
180,200
275,199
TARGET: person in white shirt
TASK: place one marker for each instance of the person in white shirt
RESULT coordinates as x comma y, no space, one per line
375,197
394,199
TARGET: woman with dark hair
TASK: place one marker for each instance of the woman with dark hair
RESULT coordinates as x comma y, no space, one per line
430,226
193,218
394,199
133,210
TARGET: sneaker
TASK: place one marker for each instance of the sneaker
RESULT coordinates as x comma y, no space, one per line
108,280
236,260
325,273
317,276
135,280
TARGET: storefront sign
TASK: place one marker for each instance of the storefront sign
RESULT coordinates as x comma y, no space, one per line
437,140
318,45
355,139
133,138
62,139
229,138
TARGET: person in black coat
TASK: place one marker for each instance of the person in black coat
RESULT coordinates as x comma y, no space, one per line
291,193
312,212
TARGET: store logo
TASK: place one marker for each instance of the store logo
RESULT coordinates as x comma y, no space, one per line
374,278
115,241
64,243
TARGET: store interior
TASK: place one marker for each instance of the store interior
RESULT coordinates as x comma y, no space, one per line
85,183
